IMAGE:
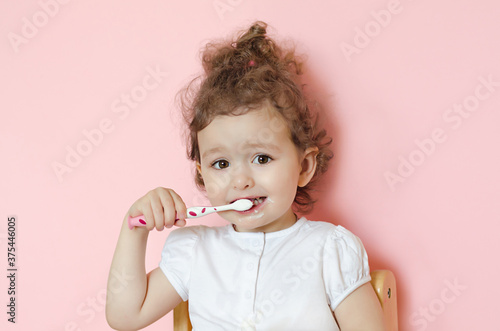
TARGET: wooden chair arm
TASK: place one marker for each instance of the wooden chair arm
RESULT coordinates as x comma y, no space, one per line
384,284
181,317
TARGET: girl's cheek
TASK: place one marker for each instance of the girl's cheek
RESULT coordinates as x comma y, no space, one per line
287,184
216,188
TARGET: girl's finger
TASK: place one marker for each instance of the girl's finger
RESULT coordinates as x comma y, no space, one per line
180,206
180,223
168,208
147,211
158,211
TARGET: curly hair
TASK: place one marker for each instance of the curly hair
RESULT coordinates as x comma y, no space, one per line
243,75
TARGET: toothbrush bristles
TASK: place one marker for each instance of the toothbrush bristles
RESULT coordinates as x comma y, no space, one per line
242,204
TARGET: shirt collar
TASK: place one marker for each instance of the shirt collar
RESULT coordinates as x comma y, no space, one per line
269,235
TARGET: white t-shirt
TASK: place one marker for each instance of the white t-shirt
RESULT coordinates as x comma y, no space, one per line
285,280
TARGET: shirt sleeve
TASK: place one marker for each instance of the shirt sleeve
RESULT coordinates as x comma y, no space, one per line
345,265
177,257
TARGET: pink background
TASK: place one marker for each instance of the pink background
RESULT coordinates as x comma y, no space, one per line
64,67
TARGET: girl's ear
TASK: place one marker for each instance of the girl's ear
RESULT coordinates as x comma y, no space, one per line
198,168
308,166
199,177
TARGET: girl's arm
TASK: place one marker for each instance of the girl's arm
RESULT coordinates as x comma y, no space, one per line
360,311
136,299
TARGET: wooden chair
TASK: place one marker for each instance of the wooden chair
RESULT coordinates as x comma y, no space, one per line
383,282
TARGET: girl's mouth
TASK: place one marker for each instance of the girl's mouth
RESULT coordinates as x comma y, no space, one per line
258,202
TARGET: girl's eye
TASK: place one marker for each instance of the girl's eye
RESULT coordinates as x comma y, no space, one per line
220,164
262,159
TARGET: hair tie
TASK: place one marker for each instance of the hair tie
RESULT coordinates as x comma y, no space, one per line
251,63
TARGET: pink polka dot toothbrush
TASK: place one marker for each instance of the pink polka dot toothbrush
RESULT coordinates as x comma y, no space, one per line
194,212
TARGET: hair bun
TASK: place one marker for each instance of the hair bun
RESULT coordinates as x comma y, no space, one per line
253,45
256,31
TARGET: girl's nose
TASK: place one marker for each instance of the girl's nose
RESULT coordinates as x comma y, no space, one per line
242,180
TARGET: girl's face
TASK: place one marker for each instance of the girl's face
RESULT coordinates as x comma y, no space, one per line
252,156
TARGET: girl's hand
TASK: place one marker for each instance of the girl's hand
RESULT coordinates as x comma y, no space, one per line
161,207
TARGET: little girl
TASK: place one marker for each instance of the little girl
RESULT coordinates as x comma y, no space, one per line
252,137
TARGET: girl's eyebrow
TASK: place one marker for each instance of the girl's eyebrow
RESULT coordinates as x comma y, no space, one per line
270,146
211,151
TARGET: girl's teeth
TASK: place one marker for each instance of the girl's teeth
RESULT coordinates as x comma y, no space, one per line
256,201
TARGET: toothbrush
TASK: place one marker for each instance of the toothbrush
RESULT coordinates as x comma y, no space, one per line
195,212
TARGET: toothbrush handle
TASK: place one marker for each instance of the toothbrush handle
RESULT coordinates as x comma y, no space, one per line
136,221
192,212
